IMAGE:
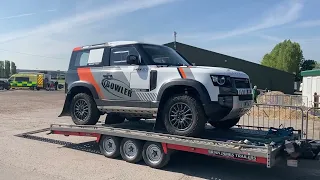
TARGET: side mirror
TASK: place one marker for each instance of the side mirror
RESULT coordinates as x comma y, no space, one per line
133,59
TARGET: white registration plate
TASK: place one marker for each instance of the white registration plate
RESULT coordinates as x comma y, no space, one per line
245,104
244,91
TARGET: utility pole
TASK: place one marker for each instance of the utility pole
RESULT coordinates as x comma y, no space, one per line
175,39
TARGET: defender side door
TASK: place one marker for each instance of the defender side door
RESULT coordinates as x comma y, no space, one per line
121,81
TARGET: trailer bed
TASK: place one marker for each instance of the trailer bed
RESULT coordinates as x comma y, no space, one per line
223,144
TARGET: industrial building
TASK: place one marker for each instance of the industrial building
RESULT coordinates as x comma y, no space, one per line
262,76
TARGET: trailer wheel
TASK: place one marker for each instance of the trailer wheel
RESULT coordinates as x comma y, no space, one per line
154,156
131,150
110,146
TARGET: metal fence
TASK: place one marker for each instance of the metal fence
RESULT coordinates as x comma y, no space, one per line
312,121
267,115
283,99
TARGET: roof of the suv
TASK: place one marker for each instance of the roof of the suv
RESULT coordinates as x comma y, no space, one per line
109,44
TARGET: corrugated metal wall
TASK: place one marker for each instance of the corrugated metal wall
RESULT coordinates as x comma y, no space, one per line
262,76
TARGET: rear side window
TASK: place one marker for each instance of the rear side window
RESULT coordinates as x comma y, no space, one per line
92,57
22,78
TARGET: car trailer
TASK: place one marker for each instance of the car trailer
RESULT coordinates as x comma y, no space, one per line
266,146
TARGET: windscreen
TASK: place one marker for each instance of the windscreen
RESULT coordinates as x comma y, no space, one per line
162,55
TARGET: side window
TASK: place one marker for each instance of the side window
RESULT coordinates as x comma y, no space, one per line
22,79
119,55
90,57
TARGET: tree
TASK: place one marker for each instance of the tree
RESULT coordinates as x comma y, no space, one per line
305,66
308,65
7,68
13,68
1,69
286,56
317,65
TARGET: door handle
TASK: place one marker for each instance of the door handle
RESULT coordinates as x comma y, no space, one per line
107,76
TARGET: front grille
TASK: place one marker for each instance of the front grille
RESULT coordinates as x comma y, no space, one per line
242,83
245,97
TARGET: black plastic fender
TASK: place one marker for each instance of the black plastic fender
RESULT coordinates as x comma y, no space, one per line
75,88
199,87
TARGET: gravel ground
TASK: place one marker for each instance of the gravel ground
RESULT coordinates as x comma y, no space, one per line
78,157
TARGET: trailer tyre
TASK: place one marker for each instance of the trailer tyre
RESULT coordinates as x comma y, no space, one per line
84,110
184,115
225,125
154,156
131,150
110,146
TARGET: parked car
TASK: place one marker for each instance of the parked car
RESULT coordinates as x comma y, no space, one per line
4,84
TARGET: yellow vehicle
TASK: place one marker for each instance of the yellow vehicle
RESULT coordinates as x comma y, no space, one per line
28,80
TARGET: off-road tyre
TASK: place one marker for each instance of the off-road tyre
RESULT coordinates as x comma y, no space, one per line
114,118
225,125
93,112
198,116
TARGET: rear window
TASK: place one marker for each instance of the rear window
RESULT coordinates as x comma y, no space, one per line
89,57
22,79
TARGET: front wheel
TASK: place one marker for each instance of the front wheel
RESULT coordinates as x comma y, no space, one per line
227,124
184,115
84,110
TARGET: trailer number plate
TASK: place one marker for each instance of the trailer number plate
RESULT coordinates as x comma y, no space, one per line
232,155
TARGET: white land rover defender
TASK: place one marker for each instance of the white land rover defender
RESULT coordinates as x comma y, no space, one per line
132,80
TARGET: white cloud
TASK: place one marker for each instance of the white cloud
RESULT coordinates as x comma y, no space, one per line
281,14
307,24
26,14
298,40
57,38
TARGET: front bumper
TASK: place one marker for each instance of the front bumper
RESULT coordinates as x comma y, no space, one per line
228,107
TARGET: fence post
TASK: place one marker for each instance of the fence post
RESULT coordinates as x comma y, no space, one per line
315,100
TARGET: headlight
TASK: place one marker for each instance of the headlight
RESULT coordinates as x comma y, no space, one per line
221,80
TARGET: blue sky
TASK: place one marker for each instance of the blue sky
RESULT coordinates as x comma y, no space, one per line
39,34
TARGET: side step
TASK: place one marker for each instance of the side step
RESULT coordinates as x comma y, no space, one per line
133,110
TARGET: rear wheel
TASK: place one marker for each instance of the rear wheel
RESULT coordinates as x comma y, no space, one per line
184,115
84,110
1,87
227,124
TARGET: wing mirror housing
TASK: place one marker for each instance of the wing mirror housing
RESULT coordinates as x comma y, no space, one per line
133,59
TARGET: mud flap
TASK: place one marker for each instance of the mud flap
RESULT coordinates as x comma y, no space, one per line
159,125
66,106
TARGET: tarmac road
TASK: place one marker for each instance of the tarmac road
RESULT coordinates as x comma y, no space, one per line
58,157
